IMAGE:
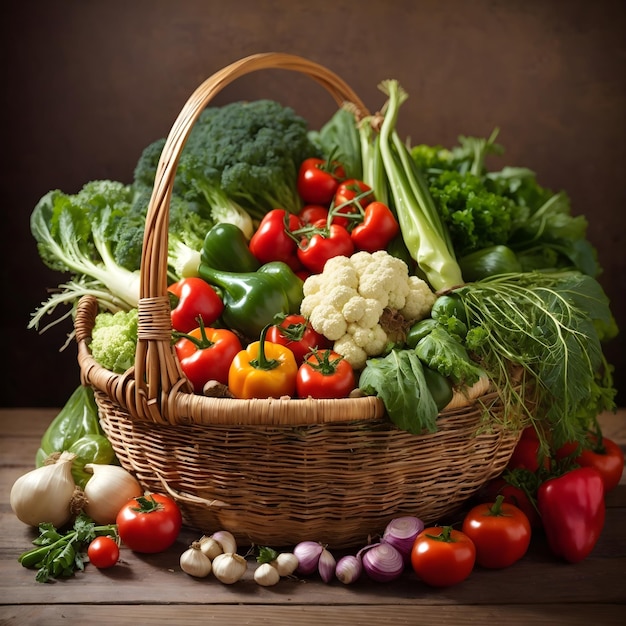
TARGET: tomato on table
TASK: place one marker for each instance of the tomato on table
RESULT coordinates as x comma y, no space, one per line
149,523
442,556
103,552
500,531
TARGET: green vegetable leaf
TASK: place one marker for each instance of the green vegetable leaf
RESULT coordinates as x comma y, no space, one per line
398,380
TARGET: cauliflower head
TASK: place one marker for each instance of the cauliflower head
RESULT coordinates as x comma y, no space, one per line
114,340
350,301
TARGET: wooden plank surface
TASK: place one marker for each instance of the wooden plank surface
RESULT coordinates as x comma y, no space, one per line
537,590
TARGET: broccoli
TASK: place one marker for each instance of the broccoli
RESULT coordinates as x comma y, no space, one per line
114,340
75,235
240,156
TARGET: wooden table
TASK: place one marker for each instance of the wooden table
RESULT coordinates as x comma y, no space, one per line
151,589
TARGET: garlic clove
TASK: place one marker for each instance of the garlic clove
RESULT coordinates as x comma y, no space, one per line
229,567
226,540
210,547
194,562
286,563
266,575
326,566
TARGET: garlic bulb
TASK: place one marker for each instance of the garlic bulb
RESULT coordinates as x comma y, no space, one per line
229,567
266,575
194,562
110,488
45,494
286,563
210,547
226,540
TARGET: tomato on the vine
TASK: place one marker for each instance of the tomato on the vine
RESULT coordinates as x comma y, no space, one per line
296,333
352,196
325,374
442,556
500,531
318,180
311,213
103,552
149,523
322,244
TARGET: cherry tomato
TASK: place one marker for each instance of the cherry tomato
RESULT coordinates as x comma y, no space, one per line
607,457
325,374
103,552
295,332
312,213
500,531
318,180
442,556
149,523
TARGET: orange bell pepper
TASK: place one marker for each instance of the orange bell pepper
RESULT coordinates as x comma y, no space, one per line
263,370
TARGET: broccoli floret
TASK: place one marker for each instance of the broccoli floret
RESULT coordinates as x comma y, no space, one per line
114,340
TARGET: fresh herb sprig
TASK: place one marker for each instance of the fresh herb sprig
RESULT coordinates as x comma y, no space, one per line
59,555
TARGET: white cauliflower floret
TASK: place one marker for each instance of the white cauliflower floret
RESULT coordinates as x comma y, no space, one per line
419,301
352,298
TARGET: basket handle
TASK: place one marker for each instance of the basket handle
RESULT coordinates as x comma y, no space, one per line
157,371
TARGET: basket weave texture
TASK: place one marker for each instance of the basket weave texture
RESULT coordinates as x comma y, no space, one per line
276,471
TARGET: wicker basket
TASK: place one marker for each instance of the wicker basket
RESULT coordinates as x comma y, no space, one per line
276,471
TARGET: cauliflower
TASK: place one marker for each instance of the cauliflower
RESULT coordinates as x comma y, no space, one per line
353,300
114,340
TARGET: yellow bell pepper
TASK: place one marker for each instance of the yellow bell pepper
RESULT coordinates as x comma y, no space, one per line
263,370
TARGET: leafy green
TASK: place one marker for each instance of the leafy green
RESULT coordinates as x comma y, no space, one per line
550,325
444,352
398,380
60,555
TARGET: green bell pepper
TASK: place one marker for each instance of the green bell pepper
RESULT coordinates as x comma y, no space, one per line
488,262
225,248
253,299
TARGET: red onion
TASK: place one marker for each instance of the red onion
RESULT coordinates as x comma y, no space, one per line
326,565
401,533
349,569
382,562
308,555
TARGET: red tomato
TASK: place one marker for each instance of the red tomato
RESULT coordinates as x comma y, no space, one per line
607,457
324,244
500,531
295,332
318,180
514,493
149,523
378,228
103,552
526,455
352,196
312,213
442,556
325,374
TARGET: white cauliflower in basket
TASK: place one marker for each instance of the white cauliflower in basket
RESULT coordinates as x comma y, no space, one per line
359,301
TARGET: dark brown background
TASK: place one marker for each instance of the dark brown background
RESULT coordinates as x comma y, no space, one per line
86,85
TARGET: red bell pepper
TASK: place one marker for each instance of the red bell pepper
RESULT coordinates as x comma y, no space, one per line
190,297
206,354
323,242
378,228
573,511
272,240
